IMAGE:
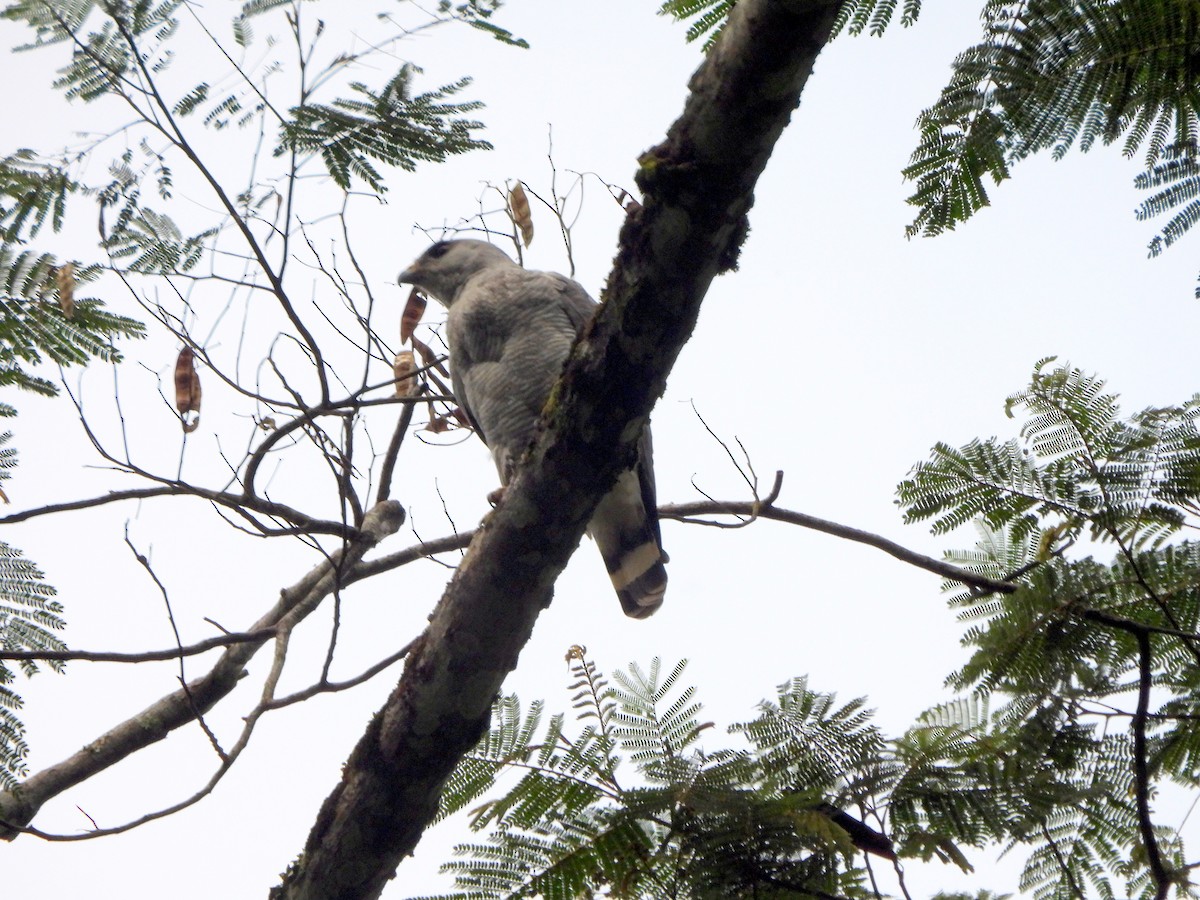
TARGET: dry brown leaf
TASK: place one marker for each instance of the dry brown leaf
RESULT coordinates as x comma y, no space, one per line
187,389
4,496
576,651
64,276
413,310
438,424
405,367
518,205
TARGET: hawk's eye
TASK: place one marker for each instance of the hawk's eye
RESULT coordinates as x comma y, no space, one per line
438,250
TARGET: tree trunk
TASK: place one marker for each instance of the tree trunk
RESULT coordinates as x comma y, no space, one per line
698,187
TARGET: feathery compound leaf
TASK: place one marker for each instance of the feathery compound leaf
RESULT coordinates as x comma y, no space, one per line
702,825
102,61
151,243
28,616
390,126
1049,75
807,742
856,16
34,326
874,16
31,191
709,17
1131,480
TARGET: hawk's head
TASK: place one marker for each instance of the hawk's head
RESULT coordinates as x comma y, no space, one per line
444,268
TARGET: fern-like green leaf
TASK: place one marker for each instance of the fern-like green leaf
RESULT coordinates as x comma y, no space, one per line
389,126
1050,75
34,324
28,618
32,191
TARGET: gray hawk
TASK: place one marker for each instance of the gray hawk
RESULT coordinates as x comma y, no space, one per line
510,331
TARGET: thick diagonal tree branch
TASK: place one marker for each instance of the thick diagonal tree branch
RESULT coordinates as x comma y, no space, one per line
698,187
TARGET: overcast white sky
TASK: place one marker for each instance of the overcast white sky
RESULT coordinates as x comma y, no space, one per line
839,353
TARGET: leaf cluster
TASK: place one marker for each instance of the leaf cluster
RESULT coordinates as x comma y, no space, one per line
1097,662
854,17
36,324
28,618
1052,75
632,804
389,125
1077,466
32,190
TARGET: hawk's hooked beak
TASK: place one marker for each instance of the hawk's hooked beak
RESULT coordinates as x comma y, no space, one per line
410,275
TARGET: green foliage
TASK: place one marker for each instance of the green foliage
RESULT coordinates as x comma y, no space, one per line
35,323
391,126
477,14
855,16
1175,181
709,17
1080,743
119,49
131,38
1050,75
631,802
31,191
1077,467
27,618
151,243
874,16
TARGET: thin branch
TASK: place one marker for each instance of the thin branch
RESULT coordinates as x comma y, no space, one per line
237,502
162,589
393,452
1062,863
225,640
764,509
1141,768
18,807
1141,773
1106,618
331,687
175,134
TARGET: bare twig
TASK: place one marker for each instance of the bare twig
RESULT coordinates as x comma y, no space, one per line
17,808
236,502
225,640
330,687
162,589
393,452
766,510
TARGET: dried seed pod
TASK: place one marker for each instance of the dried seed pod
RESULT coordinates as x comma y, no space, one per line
413,310
64,277
187,389
405,367
518,206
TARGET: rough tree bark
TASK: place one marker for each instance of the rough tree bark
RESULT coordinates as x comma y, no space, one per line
697,188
